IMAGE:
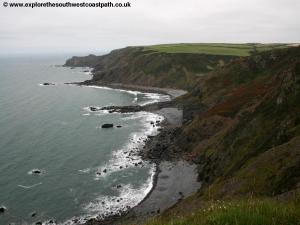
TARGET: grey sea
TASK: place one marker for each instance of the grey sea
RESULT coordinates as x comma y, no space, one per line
85,171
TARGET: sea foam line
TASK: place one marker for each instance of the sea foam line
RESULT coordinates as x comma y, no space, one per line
28,187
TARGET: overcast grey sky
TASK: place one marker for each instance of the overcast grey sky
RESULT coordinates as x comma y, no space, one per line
63,30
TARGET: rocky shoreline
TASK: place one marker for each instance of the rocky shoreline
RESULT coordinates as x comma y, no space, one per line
157,149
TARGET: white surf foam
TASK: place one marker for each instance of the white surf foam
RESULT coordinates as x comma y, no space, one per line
150,97
122,159
127,198
29,187
87,170
127,156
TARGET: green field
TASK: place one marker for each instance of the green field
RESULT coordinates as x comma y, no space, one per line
214,48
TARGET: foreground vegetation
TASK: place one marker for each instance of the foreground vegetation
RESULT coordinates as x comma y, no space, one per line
215,49
245,212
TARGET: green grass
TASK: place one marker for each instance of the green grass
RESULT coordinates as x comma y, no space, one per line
246,212
214,49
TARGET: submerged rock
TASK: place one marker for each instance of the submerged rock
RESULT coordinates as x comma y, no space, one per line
107,125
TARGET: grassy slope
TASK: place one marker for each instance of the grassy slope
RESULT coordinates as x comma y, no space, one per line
246,142
238,212
214,49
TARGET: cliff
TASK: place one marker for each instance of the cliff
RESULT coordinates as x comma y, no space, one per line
245,137
242,129
241,117
140,66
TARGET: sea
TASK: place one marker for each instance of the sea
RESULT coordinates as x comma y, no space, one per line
57,165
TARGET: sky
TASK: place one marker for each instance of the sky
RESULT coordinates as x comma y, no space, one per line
146,22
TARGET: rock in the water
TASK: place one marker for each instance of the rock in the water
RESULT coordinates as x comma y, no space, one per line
2,209
105,170
47,84
34,214
107,125
93,109
36,171
119,126
119,186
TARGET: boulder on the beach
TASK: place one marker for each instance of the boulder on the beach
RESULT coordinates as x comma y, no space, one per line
2,209
107,125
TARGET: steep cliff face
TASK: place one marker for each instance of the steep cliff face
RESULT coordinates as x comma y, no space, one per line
245,135
139,66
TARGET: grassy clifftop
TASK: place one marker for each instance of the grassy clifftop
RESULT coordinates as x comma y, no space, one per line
215,48
172,66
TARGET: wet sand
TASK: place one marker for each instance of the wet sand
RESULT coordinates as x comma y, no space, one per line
175,181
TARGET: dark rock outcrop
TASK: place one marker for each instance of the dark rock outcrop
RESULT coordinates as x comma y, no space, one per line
2,209
107,125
